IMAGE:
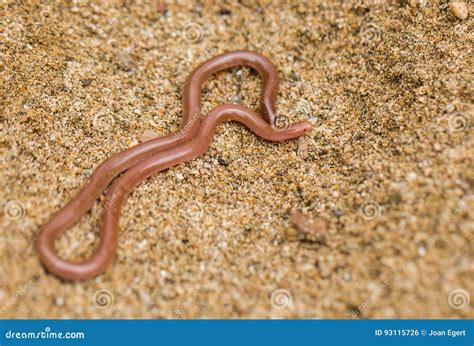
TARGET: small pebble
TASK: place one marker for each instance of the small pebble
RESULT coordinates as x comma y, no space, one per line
225,12
309,228
86,82
291,234
161,7
116,106
303,148
222,162
131,143
411,176
459,9
125,62
285,251
235,99
148,135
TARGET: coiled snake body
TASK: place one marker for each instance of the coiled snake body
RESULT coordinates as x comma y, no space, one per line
142,161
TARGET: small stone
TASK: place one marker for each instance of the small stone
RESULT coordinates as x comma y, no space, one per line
411,176
309,228
125,62
302,148
222,162
235,99
291,234
148,135
86,82
131,143
116,106
285,251
141,245
225,12
325,269
161,7
459,9
198,8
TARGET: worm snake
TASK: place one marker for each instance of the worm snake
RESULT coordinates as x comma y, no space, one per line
138,163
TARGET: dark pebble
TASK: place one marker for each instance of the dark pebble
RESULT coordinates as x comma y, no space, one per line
222,162
86,82
225,12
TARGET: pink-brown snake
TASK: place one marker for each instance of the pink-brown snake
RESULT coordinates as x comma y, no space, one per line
144,160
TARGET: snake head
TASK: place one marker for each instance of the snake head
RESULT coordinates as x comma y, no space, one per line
284,129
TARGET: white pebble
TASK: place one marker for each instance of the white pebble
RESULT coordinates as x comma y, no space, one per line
459,9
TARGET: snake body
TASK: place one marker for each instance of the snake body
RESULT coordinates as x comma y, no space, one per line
144,160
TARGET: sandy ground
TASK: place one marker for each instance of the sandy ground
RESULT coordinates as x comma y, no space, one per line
387,170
